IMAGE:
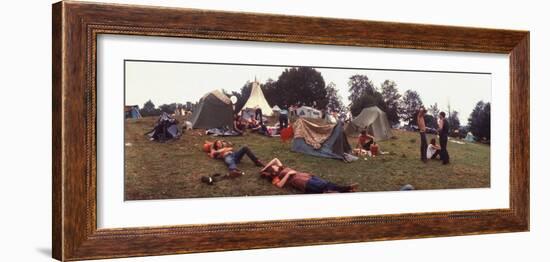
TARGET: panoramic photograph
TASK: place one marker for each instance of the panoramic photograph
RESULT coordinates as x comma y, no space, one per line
197,130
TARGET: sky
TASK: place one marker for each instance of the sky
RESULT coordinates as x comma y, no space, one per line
176,82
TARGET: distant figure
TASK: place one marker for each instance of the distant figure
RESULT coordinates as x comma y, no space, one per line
422,130
433,150
258,115
283,117
443,137
281,175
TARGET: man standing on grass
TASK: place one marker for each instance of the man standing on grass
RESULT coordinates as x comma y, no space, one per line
443,125
422,130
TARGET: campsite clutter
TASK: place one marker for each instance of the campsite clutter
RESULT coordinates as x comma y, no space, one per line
311,133
166,128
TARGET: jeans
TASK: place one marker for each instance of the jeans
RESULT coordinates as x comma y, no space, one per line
317,185
232,159
423,146
444,155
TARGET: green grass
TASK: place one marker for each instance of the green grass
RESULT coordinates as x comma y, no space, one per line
173,169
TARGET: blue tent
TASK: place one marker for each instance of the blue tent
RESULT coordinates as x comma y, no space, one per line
333,147
132,112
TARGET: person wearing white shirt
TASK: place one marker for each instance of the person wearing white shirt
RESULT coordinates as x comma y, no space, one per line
433,150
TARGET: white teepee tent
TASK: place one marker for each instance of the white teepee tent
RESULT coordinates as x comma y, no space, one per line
257,100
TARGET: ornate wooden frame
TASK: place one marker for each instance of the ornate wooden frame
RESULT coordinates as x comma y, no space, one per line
76,26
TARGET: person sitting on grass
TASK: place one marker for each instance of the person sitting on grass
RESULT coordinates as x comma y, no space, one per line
221,150
281,175
365,140
238,124
433,150
258,127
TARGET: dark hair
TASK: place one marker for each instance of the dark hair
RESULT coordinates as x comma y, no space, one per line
214,145
432,141
269,172
442,114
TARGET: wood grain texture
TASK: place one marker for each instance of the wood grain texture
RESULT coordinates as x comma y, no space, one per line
75,29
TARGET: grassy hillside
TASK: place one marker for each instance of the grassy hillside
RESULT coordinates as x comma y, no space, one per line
173,169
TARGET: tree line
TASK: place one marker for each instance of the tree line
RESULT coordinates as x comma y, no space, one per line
305,86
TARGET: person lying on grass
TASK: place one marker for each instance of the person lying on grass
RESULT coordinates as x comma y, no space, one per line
221,150
281,175
365,140
433,150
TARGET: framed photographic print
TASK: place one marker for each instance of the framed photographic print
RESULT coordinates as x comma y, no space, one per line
182,130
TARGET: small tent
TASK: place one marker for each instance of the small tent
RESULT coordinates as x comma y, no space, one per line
257,100
214,110
470,137
327,141
374,120
166,128
306,111
132,112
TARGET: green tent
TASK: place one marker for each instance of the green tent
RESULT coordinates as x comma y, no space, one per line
374,120
213,111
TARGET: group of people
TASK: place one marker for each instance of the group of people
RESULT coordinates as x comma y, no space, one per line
256,123
432,151
279,174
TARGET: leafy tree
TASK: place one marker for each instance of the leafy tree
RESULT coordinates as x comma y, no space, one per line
479,121
454,121
410,103
270,90
334,99
363,94
430,121
359,85
391,97
434,110
149,109
299,85
367,100
168,108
